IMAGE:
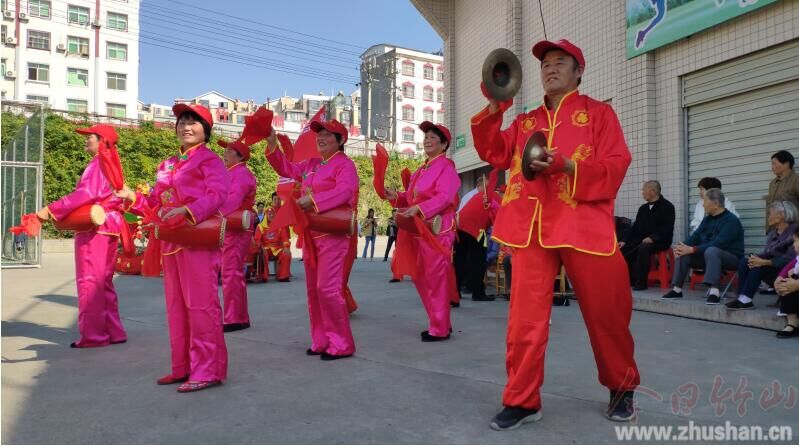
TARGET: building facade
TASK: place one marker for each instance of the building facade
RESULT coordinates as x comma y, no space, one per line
400,88
718,102
78,56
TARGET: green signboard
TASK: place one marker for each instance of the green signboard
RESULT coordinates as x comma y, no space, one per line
655,23
460,141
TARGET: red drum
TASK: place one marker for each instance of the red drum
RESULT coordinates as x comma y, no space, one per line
340,221
209,233
87,217
407,224
239,220
129,264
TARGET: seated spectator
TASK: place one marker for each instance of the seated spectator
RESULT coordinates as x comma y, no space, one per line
785,185
706,183
718,244
652,232
765,266
787,286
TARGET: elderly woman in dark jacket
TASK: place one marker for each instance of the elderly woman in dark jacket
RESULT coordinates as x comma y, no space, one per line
764,266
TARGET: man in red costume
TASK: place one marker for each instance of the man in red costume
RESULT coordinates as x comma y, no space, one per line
277,246
563,216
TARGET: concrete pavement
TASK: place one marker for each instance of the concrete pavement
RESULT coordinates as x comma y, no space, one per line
395,390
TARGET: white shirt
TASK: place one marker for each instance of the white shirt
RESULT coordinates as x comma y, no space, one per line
466,198
699,213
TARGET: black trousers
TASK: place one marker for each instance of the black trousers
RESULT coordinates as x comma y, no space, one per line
637,257
388,246
470,264
790,304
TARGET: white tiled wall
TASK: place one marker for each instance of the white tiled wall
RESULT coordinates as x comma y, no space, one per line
644,91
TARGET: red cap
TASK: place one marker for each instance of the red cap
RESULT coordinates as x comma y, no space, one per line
205,115
540,49
103,131
332,126
238,146
427,125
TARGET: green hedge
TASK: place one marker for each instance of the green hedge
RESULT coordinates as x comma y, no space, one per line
142,149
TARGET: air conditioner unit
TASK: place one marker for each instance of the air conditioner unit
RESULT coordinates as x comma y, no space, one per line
11,40
61,47
8,14
96,23
11,74
23,15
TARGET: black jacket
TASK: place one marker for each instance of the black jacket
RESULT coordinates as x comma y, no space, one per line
657,223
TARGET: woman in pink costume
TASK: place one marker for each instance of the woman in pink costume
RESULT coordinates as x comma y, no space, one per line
192,186
237,241
328,182
432,191
95,250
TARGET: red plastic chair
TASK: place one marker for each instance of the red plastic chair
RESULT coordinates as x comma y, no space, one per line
727,277
661,268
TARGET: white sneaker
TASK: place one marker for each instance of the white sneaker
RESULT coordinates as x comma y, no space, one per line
781,314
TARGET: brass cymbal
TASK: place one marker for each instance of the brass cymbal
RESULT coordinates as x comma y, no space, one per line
502,74
534,149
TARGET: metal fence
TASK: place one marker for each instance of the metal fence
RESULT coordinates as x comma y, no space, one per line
22,168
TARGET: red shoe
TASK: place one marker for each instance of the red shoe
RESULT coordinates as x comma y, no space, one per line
169,379
200,385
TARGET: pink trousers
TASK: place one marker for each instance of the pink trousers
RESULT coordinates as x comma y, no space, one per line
432,284
327,308
98,312
234,285
194,315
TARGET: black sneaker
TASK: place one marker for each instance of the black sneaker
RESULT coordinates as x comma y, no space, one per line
713,299
394,280
641,288
511,417
738,305
454,305
328,357
310,352
621,407
484,298
427,337
227,328
672,295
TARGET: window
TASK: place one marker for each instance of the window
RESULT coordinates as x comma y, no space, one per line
117,81
407,68
345,118
4,32
117,22
440,95
408,113
427,93
115,110
78,106
427,114
77,15
408,90
38,99
441,116
39,8
240,119
78,45
428,71
39,40
3,70
407,134
77,77
440,73
38,72
116,51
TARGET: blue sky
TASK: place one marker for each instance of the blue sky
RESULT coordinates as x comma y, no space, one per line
184,44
